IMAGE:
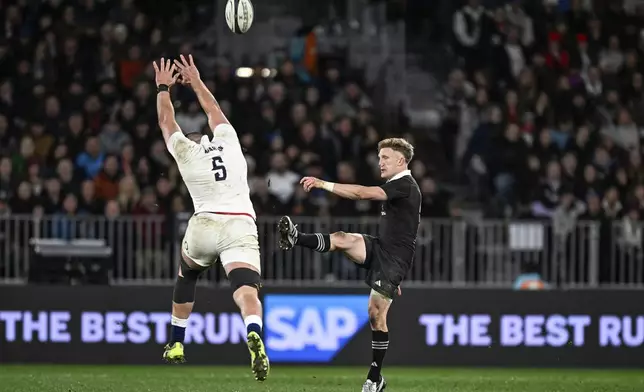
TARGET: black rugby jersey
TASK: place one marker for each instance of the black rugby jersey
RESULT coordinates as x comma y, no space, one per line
400,216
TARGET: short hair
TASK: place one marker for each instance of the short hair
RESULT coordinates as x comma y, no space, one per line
398,144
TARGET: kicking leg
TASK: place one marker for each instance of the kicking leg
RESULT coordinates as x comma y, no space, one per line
351,244
378,308
183,300
245,280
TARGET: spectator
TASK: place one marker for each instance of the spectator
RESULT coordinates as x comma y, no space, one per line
281,180
522,22
23,202
53,198
193,119
350,101
7,179
44,142
127,159
263,200
113,138
611,59
557,58
506,161
469,24
129,195
107,181
66,225
91,160
164,193
66,175
611,204
551,191
626,134
88,202
435,202
25,157
345,207
35,179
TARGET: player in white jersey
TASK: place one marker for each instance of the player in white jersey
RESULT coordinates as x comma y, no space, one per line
223,225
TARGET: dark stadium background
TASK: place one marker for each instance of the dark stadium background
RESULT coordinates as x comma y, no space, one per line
527,121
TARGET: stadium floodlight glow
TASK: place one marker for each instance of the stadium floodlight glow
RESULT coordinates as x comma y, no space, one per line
269,72
244,72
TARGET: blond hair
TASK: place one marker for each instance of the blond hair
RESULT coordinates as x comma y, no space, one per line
398,144
128,197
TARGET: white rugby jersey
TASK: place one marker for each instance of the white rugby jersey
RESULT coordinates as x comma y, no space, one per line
214,171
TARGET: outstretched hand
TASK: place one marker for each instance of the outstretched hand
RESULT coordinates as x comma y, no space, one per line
309,183
187,69
164,74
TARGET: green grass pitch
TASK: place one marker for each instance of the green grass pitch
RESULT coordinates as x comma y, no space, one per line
28,378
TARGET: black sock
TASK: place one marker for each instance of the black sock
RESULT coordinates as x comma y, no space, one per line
379,345
178,330
317,241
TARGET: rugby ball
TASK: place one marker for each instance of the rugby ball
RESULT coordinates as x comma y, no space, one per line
239,15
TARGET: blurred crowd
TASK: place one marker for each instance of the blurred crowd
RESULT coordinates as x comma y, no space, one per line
543,118
78,132
545,114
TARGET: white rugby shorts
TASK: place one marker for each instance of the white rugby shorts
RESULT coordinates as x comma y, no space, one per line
229,238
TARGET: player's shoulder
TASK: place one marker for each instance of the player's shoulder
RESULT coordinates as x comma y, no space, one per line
412,181
224,131
182,148
404,179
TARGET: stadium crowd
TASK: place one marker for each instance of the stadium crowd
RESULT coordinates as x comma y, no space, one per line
546,112
78,131
544,116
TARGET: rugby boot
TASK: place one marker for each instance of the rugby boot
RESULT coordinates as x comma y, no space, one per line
174,353
258,359
288,233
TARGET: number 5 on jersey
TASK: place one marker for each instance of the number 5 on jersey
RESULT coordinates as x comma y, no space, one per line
219,169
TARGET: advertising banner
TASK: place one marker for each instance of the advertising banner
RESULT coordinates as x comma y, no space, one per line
507,328
328,326
127,325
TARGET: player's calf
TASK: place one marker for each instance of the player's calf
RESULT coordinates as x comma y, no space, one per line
378,308
183,300
353,245
246,282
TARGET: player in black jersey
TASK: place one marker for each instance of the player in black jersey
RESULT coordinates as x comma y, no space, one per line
386,257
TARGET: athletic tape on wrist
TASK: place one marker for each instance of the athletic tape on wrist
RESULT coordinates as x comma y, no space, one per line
328,186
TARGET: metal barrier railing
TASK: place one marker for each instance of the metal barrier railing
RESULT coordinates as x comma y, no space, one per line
451,253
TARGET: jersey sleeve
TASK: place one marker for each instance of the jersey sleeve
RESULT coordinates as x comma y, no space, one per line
226,132
396,189
182,148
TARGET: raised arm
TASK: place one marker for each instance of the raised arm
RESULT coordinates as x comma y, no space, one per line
346,191
165,110
190,75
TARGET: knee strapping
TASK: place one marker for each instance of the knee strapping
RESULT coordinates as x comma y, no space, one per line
186,285
244,277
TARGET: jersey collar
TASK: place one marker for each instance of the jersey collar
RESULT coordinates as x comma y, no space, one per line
399,175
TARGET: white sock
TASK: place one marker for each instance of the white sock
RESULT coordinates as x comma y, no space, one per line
253,319
176,321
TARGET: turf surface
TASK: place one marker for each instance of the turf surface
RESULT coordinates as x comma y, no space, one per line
18,378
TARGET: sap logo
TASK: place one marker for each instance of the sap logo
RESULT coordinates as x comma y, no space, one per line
311,328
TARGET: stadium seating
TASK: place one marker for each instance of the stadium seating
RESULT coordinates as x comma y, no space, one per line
541,118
